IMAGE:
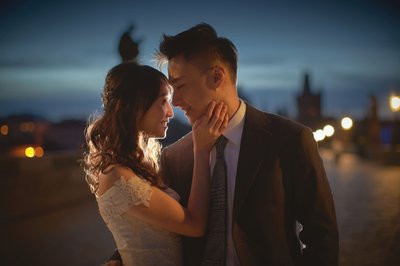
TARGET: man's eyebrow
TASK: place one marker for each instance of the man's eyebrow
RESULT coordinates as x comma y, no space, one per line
173,80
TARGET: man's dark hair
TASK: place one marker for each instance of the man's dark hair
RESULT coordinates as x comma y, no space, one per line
199,42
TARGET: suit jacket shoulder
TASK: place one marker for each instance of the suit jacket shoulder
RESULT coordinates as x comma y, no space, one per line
281,130
177,166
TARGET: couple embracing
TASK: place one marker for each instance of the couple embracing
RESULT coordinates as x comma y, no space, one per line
231,192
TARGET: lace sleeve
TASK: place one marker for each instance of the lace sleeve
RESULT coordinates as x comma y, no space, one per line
123,195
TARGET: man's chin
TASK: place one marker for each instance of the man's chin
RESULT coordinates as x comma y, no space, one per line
191,120
192,117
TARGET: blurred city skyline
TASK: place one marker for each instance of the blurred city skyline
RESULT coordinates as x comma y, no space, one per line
54,55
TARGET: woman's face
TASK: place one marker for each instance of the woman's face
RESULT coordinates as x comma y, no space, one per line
154,121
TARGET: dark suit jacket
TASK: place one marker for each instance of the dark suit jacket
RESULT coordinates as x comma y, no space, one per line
280,179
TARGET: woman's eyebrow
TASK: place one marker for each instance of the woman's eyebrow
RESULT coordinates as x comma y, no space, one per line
165,94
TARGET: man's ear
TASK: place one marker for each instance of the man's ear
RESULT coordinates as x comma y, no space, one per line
216,77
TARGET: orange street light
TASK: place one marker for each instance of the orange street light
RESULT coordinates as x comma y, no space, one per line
30,152
4,130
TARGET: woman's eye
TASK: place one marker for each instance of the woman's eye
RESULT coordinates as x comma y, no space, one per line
165,100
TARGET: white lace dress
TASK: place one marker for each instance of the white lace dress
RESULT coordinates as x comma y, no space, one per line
138,242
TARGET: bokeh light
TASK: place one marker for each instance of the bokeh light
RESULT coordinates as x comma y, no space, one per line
329,130
319,135
39,152
4,130
29,152
395,103
347,123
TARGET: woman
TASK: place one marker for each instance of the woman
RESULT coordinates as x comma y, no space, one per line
143,214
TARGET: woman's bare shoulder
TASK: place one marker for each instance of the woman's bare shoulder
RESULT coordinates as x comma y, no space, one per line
110,175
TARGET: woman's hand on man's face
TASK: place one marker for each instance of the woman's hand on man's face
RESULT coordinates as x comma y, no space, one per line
208,127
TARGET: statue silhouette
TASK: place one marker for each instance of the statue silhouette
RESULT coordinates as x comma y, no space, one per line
128,48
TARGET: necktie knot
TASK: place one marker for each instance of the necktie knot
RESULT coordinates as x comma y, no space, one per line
220,146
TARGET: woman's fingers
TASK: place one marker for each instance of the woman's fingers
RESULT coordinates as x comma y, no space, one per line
210,109
208,127
197,123
216,115
220,120
215,118
225,123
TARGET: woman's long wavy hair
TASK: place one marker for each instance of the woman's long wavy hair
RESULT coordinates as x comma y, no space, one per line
114,137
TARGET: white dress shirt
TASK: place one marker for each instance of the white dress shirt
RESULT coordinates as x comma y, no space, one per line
233,133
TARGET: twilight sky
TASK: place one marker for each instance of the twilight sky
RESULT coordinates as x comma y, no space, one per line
54,55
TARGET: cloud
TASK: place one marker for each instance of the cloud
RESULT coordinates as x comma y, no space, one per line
262,60
366,80
91,58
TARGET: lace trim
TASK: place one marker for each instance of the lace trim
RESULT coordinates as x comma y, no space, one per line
123,195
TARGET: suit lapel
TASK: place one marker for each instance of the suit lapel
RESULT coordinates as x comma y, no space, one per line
253,148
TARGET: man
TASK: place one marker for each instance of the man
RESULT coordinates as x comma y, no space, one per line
275,178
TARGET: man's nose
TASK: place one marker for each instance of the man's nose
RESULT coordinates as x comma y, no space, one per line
176,99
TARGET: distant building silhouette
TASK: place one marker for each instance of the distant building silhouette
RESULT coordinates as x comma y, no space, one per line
66,135
373,123
34,131
128,48
309,105
23,130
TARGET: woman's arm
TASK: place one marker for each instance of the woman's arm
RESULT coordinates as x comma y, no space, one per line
164,211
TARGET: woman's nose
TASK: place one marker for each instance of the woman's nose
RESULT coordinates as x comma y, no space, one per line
170,112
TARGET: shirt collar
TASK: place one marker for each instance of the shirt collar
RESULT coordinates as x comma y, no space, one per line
233,131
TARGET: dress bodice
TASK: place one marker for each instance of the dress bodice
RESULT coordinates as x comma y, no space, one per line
138,242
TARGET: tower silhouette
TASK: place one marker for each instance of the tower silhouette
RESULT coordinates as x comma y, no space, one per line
309,105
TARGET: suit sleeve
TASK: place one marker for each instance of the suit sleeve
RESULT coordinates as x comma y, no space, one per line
314,206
